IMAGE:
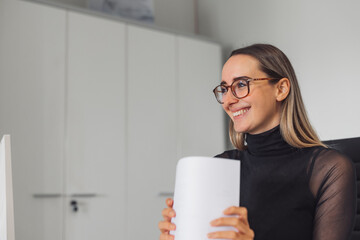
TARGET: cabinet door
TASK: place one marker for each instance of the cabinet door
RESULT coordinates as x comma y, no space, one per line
95,129
32,74
200,116
152,128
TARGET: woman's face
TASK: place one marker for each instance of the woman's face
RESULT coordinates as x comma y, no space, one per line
260,110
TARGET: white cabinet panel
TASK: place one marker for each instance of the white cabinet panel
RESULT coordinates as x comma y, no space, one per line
152,128
32,69
95,128
200,116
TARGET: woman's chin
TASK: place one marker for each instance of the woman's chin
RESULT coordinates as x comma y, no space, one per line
240,129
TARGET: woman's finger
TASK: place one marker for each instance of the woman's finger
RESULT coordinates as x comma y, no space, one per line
231,221
168,213
165,236
224,235
169,202
166,227
240,211
231,235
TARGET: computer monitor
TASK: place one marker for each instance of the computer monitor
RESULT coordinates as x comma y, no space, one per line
7,231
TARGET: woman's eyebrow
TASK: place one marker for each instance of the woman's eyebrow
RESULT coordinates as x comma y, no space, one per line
241,77
234,79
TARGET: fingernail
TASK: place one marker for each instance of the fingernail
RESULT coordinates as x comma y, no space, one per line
210,235
214,222
173,227
172,214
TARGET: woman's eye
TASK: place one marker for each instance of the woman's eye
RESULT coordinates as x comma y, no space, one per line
223,90
241,84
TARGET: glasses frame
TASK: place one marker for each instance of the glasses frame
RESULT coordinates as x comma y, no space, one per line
232,86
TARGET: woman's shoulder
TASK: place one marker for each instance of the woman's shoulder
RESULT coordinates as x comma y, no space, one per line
231,154
329,154
330,159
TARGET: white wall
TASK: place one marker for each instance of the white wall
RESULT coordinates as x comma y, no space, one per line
175,14
321,38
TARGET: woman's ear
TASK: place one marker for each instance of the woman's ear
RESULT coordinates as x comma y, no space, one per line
283,89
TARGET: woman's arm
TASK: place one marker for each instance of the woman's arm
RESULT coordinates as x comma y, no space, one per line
333,183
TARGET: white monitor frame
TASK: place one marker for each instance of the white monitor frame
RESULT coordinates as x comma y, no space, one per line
7,229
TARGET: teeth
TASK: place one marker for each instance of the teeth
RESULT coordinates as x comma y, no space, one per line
242,111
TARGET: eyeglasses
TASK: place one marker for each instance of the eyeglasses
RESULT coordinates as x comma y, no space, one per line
240,88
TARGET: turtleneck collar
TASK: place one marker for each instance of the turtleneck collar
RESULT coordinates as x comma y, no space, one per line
268,144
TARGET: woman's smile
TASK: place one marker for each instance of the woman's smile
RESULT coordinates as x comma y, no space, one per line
240,113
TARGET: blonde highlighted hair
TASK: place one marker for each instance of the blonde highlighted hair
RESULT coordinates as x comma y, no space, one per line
295,127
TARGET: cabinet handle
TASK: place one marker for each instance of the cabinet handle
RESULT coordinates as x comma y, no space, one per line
57,195
84,195
166,194
47,195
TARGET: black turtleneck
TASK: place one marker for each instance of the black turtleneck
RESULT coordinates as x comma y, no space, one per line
292,193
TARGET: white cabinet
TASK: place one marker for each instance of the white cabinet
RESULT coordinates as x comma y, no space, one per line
95,129
200,116
32,72
100,112
152,128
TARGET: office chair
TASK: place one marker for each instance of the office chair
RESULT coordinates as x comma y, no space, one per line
351,148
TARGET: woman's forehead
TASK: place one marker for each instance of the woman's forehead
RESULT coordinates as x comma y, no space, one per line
240,65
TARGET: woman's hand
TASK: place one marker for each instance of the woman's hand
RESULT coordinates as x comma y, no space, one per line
239,222
166,226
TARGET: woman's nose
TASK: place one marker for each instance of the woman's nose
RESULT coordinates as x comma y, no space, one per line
229,98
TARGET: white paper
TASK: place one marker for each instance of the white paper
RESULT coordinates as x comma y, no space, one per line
204,188
7,231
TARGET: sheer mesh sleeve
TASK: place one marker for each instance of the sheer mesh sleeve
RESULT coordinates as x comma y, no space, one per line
232,154
333,184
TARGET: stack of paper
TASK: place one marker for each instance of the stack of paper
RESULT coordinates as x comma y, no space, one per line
204,188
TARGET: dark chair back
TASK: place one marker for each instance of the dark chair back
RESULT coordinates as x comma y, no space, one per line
351,148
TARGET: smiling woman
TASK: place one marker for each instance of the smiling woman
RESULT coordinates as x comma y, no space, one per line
292,185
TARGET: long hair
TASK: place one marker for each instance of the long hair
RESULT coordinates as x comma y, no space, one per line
295,127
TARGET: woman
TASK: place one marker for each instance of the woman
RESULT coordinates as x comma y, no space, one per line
292,185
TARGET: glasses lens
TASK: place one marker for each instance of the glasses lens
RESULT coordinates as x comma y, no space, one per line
240,88
219,93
